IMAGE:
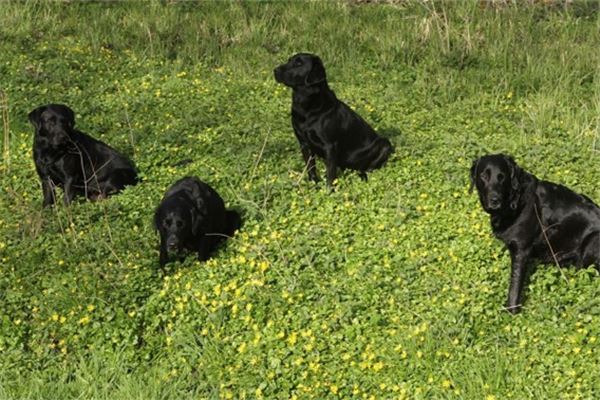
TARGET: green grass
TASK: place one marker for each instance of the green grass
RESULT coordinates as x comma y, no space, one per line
391,288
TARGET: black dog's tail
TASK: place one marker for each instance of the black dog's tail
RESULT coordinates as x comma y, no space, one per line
233,221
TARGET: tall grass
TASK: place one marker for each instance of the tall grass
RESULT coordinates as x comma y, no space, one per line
463,47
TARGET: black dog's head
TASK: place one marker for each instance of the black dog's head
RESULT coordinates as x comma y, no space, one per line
54,122
498,181
302,69
177,224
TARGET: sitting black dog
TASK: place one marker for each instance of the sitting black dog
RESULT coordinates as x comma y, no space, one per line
536,220
192,216
327,127
74,161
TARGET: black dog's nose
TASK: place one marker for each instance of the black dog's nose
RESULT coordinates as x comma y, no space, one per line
494,201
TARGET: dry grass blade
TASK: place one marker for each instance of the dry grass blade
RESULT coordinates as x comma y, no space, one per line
5,128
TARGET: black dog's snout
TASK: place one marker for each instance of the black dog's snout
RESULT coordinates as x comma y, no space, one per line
494,201
172,243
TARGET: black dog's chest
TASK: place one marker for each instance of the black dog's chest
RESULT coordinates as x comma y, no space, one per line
312,132
56,163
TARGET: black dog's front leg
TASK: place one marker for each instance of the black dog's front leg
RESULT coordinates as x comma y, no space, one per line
164,255
309,163
48,192
307,155
520,260
331,163
69,192
204,248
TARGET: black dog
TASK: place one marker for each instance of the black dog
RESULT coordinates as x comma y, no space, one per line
327,127
536,220
70,159
192,216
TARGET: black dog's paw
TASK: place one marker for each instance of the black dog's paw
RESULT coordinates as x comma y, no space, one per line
514,309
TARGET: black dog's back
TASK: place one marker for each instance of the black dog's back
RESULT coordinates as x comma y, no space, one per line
95,156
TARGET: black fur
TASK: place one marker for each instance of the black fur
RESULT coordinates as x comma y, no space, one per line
325,126
74,161
536,220
192,217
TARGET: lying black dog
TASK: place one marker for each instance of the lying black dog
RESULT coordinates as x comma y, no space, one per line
327,127
74,161
192,216
536,220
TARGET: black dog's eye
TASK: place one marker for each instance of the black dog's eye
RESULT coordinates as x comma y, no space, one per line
179,224
484,176
297,62
500,177
168,221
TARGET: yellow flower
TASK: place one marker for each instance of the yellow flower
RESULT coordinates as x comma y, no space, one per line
334,389
242,347
293,338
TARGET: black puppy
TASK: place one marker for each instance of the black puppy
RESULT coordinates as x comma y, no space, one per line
192,216
327,127
74,161
536,220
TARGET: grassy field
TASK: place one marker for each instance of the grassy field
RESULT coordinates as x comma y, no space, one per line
387,289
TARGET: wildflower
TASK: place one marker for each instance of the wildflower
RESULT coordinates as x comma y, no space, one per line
293,338
242,347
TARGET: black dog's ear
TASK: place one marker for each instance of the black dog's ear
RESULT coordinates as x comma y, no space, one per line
35,115
473,174
316,74
69,115
156,219
515,181
199,213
